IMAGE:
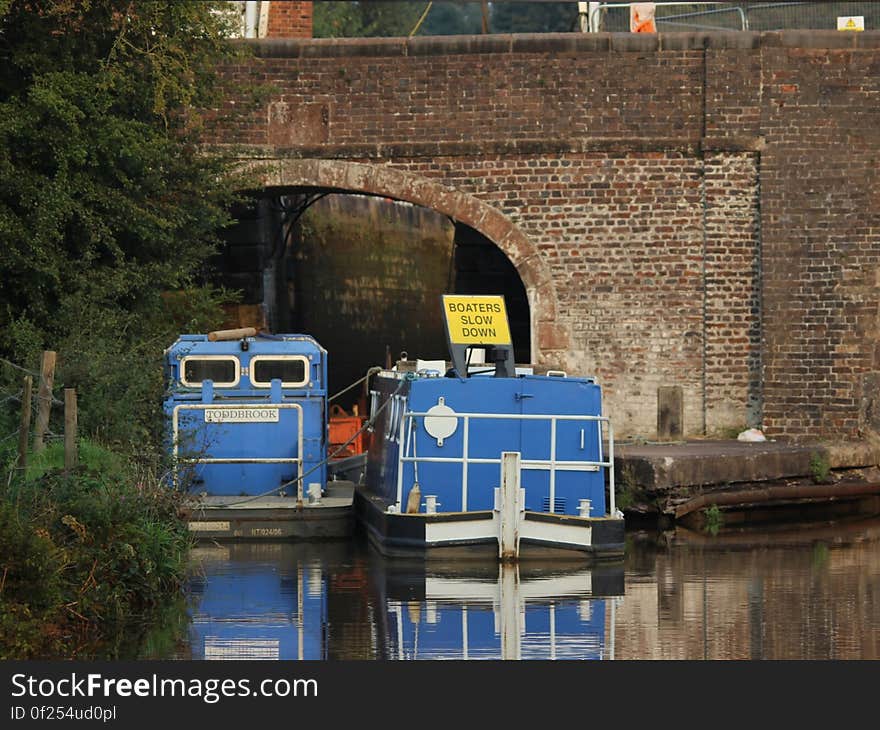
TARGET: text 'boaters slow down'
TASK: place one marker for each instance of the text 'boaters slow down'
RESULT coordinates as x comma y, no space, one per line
476,320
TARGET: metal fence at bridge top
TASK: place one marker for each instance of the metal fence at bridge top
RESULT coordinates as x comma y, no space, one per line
755,16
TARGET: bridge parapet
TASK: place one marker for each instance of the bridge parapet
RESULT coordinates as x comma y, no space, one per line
558,43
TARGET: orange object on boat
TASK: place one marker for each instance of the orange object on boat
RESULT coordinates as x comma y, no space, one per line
342,427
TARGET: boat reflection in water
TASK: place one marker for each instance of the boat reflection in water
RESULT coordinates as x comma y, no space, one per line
265,600
338,601
502,611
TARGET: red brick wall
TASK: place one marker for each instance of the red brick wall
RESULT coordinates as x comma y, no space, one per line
821,238
625,254
706,205
288,19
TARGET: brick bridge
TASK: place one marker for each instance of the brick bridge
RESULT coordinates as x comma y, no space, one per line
684,209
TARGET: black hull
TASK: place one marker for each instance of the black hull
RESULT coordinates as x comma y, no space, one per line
406,536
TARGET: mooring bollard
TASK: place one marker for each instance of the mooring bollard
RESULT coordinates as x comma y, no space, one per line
584,507
314,493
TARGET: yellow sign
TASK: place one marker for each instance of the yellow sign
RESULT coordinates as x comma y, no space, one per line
851,22
476,320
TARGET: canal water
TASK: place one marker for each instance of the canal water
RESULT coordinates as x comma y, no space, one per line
778,592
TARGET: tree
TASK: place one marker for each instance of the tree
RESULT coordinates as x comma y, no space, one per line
365,19
533,17
107,199
395,19
453,19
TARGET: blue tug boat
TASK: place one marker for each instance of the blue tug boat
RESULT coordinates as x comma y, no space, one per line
247,430
502,458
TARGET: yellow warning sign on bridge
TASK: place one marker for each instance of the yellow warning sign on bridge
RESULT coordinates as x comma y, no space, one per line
476,320
851,22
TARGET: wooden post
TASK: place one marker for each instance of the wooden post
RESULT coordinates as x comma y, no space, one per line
44,399
24,427
670,413
69,429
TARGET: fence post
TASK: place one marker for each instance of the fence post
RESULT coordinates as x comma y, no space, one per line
69,429
24,427
44,399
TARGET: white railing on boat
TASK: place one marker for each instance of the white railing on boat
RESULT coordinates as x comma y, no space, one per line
175,418
552,464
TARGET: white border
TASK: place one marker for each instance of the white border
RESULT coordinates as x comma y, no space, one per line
224,384
285,384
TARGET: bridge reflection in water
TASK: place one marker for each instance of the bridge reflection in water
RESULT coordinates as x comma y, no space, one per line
338,601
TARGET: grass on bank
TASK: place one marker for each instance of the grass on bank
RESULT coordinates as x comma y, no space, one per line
84,556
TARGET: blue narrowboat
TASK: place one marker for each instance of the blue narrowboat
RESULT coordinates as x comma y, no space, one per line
247,429
521,463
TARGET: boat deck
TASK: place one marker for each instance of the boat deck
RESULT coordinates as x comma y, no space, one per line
241,517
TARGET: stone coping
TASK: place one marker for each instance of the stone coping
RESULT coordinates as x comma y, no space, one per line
559,43
712,462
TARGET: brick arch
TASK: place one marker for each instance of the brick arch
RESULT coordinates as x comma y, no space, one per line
549,337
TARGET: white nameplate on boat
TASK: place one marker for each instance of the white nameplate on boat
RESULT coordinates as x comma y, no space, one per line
208,526
241,415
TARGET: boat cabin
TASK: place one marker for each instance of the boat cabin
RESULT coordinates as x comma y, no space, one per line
247,413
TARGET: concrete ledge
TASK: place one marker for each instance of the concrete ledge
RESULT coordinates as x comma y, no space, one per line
561,43
635,42
867,40
853,454
558,43
458,45
797,38
698,41
700,463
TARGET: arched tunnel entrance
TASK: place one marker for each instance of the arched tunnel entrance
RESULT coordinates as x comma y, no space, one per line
362,274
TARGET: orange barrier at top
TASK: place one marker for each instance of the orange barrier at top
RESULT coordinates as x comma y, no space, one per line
342,427
641,18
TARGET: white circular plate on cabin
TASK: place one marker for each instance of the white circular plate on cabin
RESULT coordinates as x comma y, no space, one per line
438,425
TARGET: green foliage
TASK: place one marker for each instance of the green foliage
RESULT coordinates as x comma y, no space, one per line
453,19
628,490
820,467
713,519
360,19
107,197
531,17
84,555
820,555
396,19
730,432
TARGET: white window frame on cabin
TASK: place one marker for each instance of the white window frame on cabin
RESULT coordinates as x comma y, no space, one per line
284,384
223,384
